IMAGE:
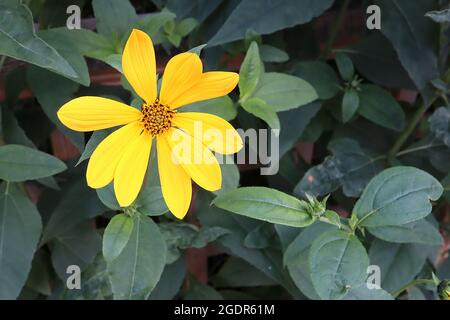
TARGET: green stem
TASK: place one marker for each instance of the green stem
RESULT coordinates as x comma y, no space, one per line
418,115
2,61
412,284
335,29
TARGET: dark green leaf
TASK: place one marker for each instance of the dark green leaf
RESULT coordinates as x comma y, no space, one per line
345,66
378,106
78,246
350,104
267,16
262,110
20,229
397,196
284,92
338,262
250,72
265,204
414,37
399,263
137,270
20,163
116,236
222,107
350,167
20,41
272,54
420,231
114,18
320,75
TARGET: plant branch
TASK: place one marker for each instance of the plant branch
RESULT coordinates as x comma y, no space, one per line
335,29
418,115
412,284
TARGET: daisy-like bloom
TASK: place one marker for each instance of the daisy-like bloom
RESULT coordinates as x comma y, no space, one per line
124,155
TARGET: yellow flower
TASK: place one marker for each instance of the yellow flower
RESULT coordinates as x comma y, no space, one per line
123,156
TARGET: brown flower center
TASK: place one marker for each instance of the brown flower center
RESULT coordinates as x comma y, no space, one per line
157,118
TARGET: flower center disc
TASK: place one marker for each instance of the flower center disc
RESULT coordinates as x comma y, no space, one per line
157,118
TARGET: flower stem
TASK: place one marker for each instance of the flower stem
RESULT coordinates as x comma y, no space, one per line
418,115
412,284
335,29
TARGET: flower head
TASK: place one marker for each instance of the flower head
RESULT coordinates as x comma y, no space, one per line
123,156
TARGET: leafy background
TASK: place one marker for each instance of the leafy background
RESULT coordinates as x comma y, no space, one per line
363,117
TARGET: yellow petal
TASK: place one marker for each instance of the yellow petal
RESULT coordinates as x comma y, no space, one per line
139,66
213,131
211,85
182,72
104,160
130,171
95,113
197,160
175,183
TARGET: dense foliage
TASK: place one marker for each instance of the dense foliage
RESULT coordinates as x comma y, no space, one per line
364,148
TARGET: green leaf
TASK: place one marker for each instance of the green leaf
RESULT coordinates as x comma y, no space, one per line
201,291
70,52
414,37
20,229
320,75
272,54
397,196
350,167
364,293
151,201
265,204
350,104
338,262
293,124
108,197
67,211
198,49
95,283
152,24
62,91
12,132
375,59
259,108
222,107
114,18
296,257
399,263
283,91
345,66
89,43
186,26
20,163
250,72
267,16
19,40
171,281
137,270
440,125
230,175
378,106
78,245
237,273
181,236
92,144
116,236
268,260
420,231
